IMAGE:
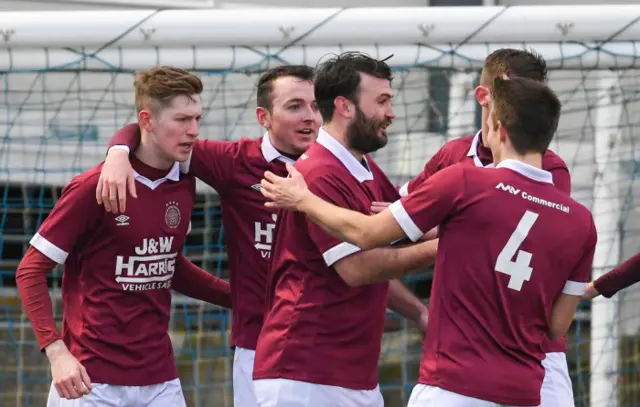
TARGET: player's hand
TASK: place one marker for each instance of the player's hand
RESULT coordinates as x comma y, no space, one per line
285,193
115,178
377,207
591,292
69,376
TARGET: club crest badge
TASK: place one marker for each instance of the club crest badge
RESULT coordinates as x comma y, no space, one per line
172,215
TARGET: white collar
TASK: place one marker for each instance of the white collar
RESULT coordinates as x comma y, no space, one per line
270,153
473,151
172,175
346,158
527,170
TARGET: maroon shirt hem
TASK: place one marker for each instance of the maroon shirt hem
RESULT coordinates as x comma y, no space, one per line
533,401
141,376
246,341
259,374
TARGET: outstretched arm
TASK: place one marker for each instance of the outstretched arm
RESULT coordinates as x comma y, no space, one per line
412,216
194,282
621,277
364,231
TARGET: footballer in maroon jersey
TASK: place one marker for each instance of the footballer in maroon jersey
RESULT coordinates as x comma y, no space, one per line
513,260
320,342
472,151
119,269
287,109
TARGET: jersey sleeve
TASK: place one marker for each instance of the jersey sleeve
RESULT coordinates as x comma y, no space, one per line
432,166
621,277
128,136
335,191
581,274
562,179
213,162
431,203
74,215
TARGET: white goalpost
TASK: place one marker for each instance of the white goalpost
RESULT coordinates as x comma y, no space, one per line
65,87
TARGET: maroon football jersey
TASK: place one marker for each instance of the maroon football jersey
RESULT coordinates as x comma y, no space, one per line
524,242
116,286
470,152
234,170
317,328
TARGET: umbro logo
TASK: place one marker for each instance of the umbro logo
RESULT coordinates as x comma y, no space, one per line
257,187
122,220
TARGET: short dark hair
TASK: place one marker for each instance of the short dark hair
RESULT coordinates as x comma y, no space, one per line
340,76
265,83
528,110
515,62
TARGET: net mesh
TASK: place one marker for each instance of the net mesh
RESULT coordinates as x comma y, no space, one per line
56,123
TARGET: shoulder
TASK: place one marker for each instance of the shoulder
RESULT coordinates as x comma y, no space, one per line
453,151
84,182
458,145
318,160
225,147
552,161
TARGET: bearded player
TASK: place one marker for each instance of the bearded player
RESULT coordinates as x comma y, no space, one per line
500,293
119,270
320,342
473,151
287,109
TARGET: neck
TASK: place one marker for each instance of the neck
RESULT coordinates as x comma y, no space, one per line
282,147
533,159
483,134
148,153
339,133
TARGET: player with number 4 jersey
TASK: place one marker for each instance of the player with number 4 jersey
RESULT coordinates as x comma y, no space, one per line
473,151
513,261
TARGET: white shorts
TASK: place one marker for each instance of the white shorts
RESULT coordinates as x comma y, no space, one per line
431,396
243,394
556,388
292,393
167,394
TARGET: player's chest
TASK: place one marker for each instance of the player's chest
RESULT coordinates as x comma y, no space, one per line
154,223
245,196
364,193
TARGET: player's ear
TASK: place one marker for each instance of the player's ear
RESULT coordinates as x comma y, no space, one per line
344,107
482,95
144,118
264,117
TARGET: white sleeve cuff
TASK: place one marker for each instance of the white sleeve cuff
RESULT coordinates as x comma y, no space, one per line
574,288
339,252
404,190
410,229
49,249
184,166
119,147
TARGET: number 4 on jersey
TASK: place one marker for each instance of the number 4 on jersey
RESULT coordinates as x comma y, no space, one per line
519,270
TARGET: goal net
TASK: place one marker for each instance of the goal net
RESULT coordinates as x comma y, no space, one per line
63,96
